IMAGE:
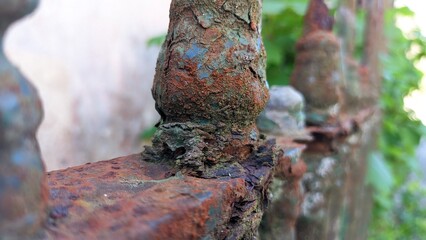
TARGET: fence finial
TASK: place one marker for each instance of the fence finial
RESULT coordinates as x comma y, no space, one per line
318,73
210,83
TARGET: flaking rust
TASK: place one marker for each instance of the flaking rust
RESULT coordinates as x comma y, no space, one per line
128,198
208,172
209,86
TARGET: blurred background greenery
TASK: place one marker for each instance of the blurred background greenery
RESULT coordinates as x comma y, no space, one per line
393,171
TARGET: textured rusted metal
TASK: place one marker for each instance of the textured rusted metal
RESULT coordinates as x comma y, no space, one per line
211,66
22,191
208,172
128,198
210,84
209,88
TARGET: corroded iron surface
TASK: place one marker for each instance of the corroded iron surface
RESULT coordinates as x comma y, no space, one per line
127,198
211,68
210,84
22,192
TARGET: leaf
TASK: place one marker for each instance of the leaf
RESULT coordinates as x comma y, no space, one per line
404,11
274,52
148,133
156,40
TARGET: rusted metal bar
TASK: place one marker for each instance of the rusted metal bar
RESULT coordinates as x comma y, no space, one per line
23,194
128,198
209,88
359,196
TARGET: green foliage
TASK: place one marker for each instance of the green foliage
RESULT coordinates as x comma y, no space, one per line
276,7
395,159
410,217
156,40
380,177
406,218
148,133
282,27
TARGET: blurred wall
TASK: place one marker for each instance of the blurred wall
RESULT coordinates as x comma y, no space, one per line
89,60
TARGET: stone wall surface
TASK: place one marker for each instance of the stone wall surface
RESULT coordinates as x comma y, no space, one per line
94,72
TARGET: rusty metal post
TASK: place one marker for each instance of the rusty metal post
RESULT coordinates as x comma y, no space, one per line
318,75
209,88
284,119
343,118
210,85
23,195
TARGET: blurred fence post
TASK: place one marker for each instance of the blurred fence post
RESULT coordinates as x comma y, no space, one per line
284,119
23,194
343,116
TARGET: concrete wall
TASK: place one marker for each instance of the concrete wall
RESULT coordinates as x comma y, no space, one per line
93,70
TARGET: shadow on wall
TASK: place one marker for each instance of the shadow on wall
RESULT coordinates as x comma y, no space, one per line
90,63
